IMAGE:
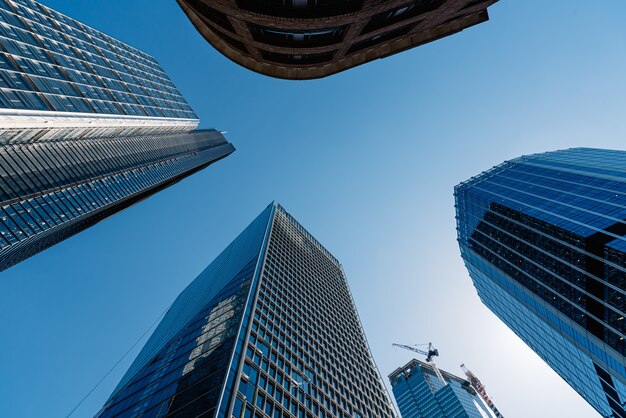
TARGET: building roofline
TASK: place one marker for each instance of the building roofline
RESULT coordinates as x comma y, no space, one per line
421,364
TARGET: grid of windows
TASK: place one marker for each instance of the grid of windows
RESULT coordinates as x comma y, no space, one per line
574,366
245,248
300,39
295,345
52,63
554,225
88,126
76,68
421,394
307,355
27,170
20,129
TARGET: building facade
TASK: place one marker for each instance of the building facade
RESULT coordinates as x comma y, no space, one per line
269,329
305,39
544,239
88,126
421,393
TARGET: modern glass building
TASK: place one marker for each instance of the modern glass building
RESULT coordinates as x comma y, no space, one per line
88,126
421,393
269,329
544,239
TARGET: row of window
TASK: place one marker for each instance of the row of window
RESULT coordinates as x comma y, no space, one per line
53,24
303,347
29,135
20,42
293,328
291,38
106,87
567,332
32,169
568,361
56,208
552,275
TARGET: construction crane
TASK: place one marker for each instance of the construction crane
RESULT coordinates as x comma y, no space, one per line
432,352
480,389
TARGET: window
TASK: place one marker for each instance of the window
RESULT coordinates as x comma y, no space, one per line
232,42
297,59
378,39
297,39
301,8
212,15
401,13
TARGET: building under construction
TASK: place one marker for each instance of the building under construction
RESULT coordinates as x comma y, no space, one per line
422,390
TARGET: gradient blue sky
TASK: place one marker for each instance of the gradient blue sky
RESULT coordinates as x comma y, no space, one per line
366,160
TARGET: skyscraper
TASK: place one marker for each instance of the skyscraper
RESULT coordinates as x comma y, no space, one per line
88,127
544,239
421,392
304,39
268,329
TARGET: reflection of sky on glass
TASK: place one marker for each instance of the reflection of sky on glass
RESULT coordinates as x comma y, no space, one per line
366,160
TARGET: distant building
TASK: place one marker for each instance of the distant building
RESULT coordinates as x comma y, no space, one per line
88,127
268,329
544,239
421,393
304,39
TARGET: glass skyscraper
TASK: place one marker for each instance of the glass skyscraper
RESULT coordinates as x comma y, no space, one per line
421,393
544,239
269,329
88,126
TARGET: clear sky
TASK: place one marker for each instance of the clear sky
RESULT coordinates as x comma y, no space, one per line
366,160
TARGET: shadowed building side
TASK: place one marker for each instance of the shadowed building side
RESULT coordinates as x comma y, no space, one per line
307,39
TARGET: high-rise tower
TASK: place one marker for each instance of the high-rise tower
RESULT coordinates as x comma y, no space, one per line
544,239
88,127
421,391
304,39
268,329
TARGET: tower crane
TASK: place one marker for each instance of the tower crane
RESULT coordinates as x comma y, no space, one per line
478,387
430,353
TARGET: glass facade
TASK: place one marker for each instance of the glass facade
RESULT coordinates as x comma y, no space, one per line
420,393
88,126
544,239
269,329
52,66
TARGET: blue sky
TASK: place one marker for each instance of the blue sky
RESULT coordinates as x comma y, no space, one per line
366,160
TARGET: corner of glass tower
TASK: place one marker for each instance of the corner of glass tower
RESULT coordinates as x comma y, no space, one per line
253,334
88,127
543,237
423,391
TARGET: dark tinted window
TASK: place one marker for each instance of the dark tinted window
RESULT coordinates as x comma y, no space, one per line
297,59
301,8
401,13
297,39
374,40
